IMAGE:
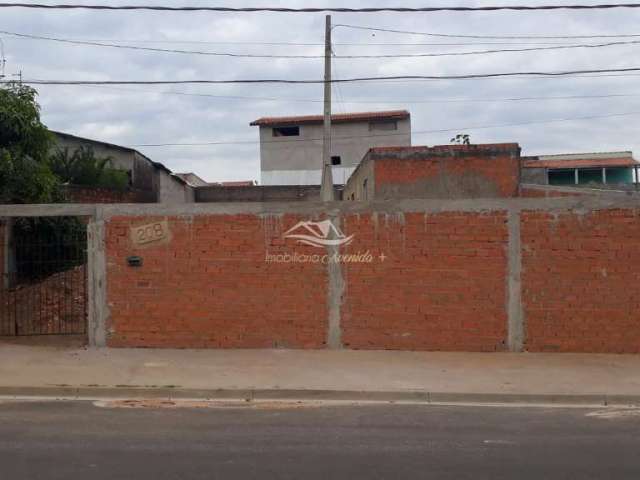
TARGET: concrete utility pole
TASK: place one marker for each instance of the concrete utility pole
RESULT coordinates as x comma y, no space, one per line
326,188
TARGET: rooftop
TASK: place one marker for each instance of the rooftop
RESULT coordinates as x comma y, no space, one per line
581,160
336,118
155,164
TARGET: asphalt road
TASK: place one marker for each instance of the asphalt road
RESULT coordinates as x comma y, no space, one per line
77,440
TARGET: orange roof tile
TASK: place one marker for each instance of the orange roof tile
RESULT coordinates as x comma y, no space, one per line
581,163
335,118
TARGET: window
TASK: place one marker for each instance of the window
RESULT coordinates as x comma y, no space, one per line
336,160
590,175
619,175
383,125
364,189
286,131
562,177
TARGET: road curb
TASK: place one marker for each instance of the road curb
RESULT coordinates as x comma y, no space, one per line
413,396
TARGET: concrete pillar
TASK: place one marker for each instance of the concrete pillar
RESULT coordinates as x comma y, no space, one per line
515,314
334,295
97,282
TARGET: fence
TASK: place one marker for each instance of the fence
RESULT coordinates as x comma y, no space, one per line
44,287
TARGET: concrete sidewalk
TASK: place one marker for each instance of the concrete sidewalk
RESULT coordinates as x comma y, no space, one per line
334,375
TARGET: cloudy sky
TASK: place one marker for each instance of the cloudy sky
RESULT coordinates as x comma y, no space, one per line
134,115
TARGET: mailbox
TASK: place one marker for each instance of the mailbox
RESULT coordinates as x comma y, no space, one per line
134,261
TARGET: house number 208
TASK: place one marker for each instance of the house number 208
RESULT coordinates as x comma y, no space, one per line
151,232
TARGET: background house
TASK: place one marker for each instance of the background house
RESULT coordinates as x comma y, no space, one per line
192,179
580,169
441,171
151,181
291,147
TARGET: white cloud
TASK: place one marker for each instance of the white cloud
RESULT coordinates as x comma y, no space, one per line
137,115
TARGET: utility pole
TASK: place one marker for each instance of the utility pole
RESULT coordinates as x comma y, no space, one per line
3,60
326,188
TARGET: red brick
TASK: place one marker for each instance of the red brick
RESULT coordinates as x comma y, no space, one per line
579,281
442,286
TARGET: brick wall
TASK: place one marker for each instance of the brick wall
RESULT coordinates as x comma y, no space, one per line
547,191
80,194
447,171
436,280
210,286
580,277
440,287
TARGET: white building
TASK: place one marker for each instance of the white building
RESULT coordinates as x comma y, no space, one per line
291,147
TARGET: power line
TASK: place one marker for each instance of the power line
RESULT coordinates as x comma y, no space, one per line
604,75
153,49
490,37
337,80
523,8
482,52
250,55
308,44
372,101
419,132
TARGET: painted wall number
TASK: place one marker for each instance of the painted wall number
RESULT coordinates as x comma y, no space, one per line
152,232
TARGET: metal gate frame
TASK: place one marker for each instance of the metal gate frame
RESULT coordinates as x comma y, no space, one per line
44,284
96,262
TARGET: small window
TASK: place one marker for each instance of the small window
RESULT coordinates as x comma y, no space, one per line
286,131
336,160
364,189
383,126
561,177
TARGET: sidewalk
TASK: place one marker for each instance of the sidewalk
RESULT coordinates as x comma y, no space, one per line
333,375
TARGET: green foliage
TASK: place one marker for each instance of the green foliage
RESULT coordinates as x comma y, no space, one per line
46,245
461,139
24,146
82,167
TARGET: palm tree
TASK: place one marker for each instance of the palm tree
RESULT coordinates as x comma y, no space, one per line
82,167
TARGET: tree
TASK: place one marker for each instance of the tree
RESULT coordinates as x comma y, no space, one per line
25,176
461,139
82,167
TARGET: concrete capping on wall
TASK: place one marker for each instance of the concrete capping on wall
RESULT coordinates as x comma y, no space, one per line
577,189
442,151
106,211
49,210
258,193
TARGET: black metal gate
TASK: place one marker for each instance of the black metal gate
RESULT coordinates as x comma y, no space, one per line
44,290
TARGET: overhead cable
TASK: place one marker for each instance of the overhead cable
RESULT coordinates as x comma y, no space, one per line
522,8
336,80
370,100
252,55
489,37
